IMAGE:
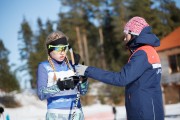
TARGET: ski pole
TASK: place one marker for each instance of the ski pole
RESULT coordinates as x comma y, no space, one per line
76,104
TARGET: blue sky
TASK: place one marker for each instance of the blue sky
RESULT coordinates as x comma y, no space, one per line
11,16
12,13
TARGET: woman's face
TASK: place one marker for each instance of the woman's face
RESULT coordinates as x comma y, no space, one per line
59,54
127,37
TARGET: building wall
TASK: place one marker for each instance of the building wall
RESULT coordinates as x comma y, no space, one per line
167,77
172,93
170,82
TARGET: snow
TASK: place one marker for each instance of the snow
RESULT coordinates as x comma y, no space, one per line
34,109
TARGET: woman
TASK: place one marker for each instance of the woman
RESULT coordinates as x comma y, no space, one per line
58,83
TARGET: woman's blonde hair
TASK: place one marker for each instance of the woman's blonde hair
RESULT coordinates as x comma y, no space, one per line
52,37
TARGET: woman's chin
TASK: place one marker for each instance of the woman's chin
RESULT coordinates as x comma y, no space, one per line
61,59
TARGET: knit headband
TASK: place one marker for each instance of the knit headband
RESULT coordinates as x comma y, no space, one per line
60,41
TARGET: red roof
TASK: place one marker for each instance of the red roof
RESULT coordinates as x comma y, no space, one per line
170,41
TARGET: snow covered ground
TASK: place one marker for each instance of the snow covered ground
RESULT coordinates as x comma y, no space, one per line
34,109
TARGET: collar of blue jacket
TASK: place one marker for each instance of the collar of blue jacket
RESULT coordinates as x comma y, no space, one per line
146,37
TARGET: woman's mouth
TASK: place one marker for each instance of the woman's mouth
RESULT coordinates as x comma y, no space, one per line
61,57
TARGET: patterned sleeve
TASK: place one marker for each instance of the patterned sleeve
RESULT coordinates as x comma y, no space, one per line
43,91
84,87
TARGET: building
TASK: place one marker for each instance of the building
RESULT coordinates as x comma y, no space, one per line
169,52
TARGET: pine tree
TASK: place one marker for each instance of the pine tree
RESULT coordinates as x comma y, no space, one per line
77,21
120,17
145,9
162,15
169,15
39,54
115,53
8,81
26,47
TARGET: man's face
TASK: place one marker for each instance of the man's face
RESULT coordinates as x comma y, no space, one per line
127,37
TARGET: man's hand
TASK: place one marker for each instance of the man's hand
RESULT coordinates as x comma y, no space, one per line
80,69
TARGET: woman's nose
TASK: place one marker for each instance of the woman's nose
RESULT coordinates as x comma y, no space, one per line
62,52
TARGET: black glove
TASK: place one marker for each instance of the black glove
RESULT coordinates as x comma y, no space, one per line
1,110
77,58
69,84
66,84
75,79
60,84
83,79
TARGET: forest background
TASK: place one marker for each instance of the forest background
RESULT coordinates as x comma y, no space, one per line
95,31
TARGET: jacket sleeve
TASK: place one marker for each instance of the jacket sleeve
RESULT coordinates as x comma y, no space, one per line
43,91
136,66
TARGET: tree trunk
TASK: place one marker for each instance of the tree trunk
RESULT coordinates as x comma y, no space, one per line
102,55
85,47
79,43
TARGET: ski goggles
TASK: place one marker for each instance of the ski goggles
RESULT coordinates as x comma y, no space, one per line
58,48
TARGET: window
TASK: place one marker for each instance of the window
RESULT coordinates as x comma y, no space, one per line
174,63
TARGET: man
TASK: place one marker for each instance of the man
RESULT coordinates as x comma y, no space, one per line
141,75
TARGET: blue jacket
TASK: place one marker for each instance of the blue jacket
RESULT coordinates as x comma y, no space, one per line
141,77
